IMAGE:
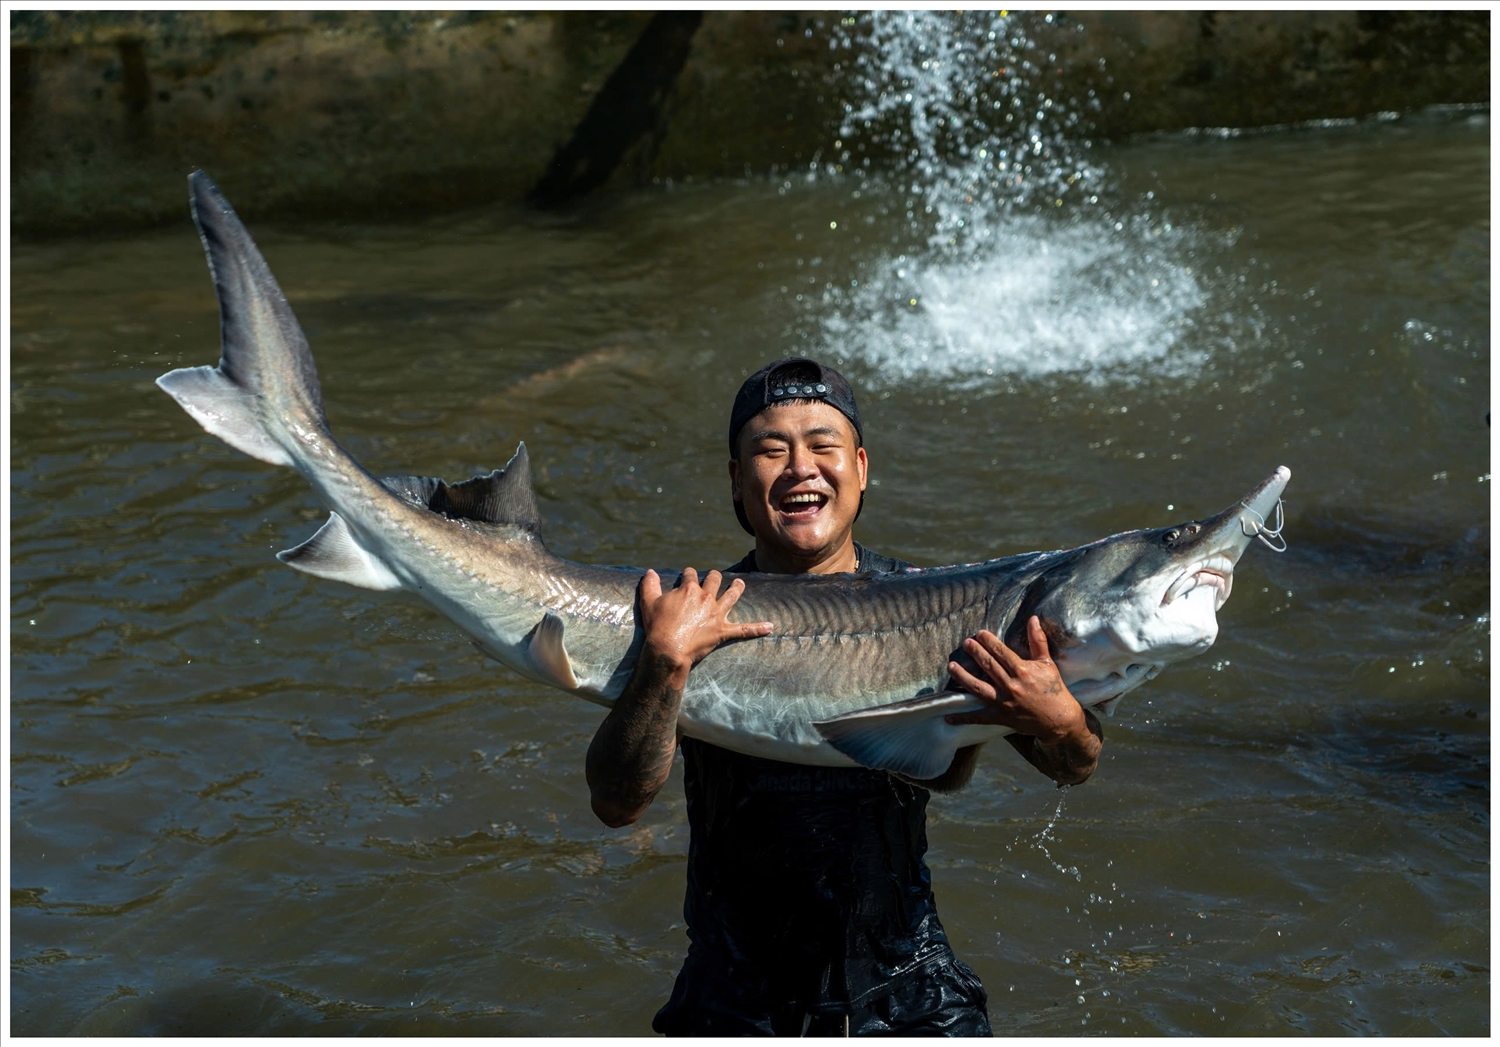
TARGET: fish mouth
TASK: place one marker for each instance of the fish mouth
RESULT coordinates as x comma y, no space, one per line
1218,574
802,505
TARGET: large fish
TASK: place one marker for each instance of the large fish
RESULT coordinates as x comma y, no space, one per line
856,670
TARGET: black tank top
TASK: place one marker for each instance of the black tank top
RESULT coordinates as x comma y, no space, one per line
807,881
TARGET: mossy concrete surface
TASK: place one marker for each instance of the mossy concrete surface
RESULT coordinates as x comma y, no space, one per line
371,114
1255,68
296,113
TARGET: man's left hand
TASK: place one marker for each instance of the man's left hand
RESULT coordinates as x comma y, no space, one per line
1028,695
1025,694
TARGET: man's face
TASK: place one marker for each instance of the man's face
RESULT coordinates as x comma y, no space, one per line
800,475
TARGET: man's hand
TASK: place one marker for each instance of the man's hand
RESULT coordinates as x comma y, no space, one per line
1056,734
686,623
1026,695
631,754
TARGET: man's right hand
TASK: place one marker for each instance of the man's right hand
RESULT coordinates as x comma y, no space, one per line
683,625
631,755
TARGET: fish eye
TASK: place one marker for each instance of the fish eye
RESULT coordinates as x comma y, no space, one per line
1192,528
1171,535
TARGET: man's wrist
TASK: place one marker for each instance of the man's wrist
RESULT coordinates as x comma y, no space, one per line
665,668
1074,730
1071,759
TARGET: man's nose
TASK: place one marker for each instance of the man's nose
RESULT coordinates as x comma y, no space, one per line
802,464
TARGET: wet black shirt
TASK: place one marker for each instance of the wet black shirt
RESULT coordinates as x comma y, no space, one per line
805,885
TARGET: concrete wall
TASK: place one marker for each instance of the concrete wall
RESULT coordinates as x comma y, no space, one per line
298,112
385,113
1253,68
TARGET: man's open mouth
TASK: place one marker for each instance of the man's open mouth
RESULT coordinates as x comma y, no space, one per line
806,503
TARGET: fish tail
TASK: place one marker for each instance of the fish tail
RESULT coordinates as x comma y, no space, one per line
263,398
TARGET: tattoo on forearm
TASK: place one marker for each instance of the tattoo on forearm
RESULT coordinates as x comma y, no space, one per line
631,754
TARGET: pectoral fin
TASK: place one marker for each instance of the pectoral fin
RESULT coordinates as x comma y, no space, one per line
335,553
549,658
909,737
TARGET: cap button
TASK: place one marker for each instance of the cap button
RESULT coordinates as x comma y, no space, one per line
822,388
777,392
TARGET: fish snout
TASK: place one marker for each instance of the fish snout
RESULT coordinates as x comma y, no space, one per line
1256,515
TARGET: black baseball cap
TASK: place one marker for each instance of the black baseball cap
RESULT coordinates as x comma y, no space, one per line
789,379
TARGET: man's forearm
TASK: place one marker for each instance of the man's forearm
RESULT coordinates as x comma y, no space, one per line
630,757
1068,761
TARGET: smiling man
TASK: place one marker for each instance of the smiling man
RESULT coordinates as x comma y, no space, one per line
809,905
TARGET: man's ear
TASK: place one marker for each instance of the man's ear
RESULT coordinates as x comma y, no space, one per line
734,480
864,466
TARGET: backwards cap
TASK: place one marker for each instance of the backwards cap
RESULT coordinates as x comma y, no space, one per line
794,378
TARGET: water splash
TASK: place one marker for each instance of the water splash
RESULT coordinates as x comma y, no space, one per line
1042,298
1040,839
955,104
1091,967
1007,262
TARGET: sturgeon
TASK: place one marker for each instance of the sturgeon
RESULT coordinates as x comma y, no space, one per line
855,672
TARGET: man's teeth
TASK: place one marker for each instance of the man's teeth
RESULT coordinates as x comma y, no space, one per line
803,499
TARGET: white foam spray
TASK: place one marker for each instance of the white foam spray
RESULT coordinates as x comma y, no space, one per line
1011,265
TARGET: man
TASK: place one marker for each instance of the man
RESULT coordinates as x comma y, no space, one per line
809,905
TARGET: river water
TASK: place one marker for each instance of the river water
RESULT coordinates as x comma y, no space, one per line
247,801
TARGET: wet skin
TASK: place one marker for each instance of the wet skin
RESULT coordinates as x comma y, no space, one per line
800,474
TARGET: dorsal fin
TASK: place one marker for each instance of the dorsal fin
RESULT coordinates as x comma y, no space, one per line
501,497
504,496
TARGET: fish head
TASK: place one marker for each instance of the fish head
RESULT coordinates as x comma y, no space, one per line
1121,609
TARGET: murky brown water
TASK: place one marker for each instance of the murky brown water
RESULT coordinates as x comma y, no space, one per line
247,801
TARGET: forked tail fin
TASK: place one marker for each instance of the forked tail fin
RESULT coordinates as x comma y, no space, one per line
266,385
